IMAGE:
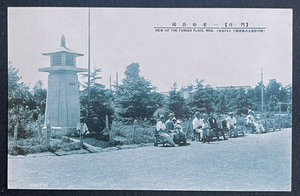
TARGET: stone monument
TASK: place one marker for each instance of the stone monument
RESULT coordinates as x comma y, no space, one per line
62,104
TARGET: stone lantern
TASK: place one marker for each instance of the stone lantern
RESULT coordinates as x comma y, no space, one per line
62,104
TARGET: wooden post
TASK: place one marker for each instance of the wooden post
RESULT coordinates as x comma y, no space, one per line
112,129
106,122
134,127
80,134
15,135
48,132
39,125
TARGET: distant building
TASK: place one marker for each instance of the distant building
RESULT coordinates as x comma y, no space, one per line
187,90
246,88
289,89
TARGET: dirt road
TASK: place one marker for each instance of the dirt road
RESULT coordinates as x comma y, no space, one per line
249,163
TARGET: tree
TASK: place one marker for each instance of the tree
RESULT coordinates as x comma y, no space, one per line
100,103
177,103
18,92
40,95
202,99
135,96
222,102
243,103
21,105
275,93
94,76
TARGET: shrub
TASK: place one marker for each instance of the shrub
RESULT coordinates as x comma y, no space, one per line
25,119
37,145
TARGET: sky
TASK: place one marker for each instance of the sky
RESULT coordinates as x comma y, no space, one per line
121,36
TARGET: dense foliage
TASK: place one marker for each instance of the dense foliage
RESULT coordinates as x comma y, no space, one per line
100,103
23,107
136,98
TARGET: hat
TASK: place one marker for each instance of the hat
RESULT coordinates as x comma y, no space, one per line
161,116
197,113
250,111
230,113
174,118
178,121
171,114
257,117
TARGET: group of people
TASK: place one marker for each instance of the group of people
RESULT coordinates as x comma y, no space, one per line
204,124
254,122
170,128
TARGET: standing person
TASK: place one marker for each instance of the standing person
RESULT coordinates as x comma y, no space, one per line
161,130
82,128
197,125
214,126
231,121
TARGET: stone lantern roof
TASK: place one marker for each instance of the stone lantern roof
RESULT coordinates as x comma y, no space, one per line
63,49
62,59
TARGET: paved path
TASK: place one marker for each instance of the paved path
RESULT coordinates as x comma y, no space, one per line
249,163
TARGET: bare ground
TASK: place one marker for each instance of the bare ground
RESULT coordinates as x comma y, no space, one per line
249,163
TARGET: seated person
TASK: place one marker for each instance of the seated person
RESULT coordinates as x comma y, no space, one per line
231,121
254,122
161,130
174,122
82,129
250,118
182,135
170,127
214,126
259,126
197,125
206,129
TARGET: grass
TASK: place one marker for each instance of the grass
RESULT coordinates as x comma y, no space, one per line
38,145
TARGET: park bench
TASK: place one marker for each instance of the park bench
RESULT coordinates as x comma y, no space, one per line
158,139
273,125
233,132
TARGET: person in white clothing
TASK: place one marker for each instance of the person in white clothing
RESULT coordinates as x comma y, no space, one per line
82,128
206,129
161,130
259,126
197,125
231,121
251,121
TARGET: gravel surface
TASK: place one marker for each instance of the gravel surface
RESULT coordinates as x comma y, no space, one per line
256,162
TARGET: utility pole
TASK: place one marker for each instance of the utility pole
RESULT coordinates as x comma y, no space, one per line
110,81
89,69
262,91
117,79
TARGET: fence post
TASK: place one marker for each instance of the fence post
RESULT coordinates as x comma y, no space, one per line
112,129
40,126
134,127
15,135
48,132
80,136
106,122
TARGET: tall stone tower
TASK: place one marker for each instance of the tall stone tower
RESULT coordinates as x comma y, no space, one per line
62,106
